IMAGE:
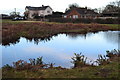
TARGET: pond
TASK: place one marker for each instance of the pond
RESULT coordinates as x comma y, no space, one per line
60,48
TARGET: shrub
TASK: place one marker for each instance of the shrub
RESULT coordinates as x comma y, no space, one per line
102,60
37,61
113,53
82,20
79,60
7,66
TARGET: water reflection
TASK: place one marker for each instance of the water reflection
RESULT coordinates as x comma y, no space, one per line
113,37
110,36
12,40
60,48
37,40
75,36
85,35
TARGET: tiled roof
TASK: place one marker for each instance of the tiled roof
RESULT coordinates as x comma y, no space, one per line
81,11
36,8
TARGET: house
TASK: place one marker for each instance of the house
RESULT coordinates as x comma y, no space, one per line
76,13
4,16
31,12
109,15
55,15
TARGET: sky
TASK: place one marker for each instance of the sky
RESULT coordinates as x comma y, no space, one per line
7,6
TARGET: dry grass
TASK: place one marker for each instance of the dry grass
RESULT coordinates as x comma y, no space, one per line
13,30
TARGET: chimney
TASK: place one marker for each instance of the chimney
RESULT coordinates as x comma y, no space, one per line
86,7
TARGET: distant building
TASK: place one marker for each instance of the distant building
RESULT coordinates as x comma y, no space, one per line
55,15
109,15
4,16
38,11
76,13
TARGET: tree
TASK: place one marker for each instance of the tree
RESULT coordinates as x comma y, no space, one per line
96,10
100,10
14,14
112,7
36,16
71,6
26,14
74,5
117,3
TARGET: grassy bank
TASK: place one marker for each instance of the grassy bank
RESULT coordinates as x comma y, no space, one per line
110,69
13,30
113,26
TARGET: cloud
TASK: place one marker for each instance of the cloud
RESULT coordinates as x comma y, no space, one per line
39,49
48,51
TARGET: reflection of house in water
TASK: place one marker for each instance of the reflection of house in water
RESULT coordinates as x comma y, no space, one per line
75,36
113,37
110,36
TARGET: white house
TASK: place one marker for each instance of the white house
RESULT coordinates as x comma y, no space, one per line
39,11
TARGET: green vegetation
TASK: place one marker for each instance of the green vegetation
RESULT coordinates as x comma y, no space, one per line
109,70
13,30
79,60
113,26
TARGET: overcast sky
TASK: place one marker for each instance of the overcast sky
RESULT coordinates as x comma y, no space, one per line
8,6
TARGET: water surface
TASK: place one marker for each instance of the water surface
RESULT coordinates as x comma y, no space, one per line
59,49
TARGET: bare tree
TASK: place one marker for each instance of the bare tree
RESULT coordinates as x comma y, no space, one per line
112,7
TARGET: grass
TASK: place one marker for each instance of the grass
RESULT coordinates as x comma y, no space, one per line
96,72
113,26
13,30
110,70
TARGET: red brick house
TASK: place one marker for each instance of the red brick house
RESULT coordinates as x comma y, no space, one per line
76,13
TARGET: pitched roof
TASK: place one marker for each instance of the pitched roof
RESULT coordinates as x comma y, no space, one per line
81,11
37,8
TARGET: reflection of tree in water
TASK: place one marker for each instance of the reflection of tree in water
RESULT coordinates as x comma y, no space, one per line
37,40
40,39
7,41
109,36
112,36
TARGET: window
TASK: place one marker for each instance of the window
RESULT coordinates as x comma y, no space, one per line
84,16
48,11
42,12
75,16
65,16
